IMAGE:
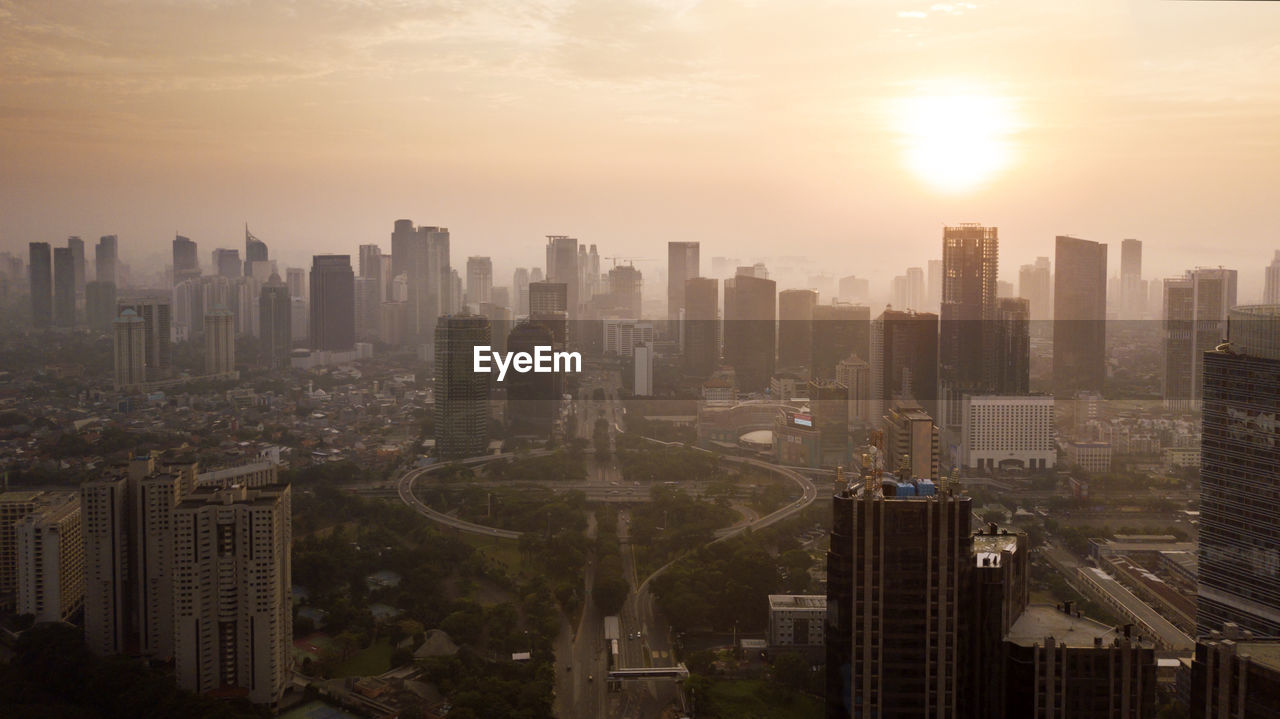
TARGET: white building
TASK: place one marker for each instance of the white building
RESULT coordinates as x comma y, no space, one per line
51,562
1090,456
644,371
1009,430
233,621
622,336
796,620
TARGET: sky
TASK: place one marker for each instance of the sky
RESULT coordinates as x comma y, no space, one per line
846,132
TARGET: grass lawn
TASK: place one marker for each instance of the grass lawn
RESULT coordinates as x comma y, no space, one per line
504,551
374,660
750,699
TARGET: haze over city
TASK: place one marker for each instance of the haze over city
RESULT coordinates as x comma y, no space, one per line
835,128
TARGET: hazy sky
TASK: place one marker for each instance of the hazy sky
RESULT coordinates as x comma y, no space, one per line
848,132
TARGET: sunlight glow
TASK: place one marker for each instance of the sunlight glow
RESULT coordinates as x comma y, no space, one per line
956,143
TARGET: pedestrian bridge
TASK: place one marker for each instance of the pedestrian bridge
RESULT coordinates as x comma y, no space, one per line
677,672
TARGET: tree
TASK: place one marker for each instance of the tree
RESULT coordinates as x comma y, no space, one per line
791,671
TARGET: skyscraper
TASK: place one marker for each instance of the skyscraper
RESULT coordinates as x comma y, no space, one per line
403,238
547,302
1133,291
1195,321
227,263
232,574
479,280
156,313
219,342
1239,538
64,287
296,279
1271,283
1011,354
255,250
1035,284
1079,314
966,347
532,397
701,326
130,350
186,264
839,330
40,273
562,266
461,394
625,284
904,360
934,301
105,257
430,276
275,323
683,264
50,576
99,305
750,316
795,330
371,268
520,290
333,303
76,245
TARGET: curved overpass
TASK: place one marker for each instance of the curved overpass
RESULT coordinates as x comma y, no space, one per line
404,487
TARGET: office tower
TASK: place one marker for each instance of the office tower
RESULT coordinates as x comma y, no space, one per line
916,291
750,313
904,360
909,431
275,323
426,265
547,302
461,394
105,257
371,267
795,330
642,385
233,617
367,308
40,272
500,324
1195,321
1007,432
156,313
1035,284
403,238
625,283
1239,470
255,250
701,326
1079,313
839,330
520,290
14,507
300,320
829,406
855,289
934,301
76,245
1235,674
333,303
393,317
532,397
244,305
219,342
562,266
99,305
227,263
1011,355
592,274
1133,293
535,274
501,297
479,280
455,290
296,279
682,265
64,287
1004,289
128,543
1271,283
50,561
186,264
855,374
966,357
130,350
898,574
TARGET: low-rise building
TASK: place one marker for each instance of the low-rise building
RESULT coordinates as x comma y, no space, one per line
1090,456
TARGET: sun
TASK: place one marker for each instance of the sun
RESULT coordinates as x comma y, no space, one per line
956,143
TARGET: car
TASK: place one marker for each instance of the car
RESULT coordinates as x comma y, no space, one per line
590,678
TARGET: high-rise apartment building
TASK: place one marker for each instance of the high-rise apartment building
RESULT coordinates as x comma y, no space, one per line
904,360
795,330
479,280
1195,313
910,433
64,287
1079,314
40,274
701,326
683,264
839,330
219,342
333,303
275,316
461,394
156,312
50,561
105,258
750,327
232,576
130,343
1239,534
14,507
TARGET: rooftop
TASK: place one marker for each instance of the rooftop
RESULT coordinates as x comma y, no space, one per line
1045,620
988,547
1266,653
797,601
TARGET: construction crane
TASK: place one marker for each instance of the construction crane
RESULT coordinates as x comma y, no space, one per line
630,260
